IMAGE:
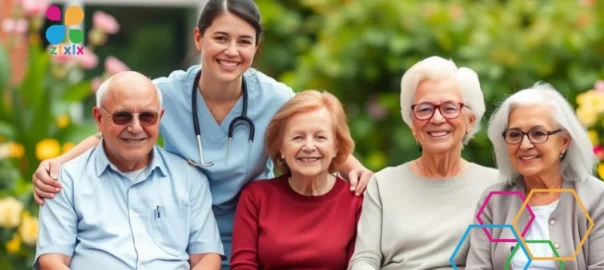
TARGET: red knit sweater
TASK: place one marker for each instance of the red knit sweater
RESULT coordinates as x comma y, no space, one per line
278,228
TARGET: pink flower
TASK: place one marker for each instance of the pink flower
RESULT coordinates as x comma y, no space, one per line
8,25
96,83
35,8
375,110
21,26
105,22
88,60
599,86
599,151
114,66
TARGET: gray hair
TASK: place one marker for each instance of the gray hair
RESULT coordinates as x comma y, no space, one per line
580,159
436,68
104,88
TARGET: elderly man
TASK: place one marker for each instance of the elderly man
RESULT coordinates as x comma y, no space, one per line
126,203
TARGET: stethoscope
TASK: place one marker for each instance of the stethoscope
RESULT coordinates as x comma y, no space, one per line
243,118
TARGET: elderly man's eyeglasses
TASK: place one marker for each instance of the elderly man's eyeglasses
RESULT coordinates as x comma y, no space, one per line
122,118
536,135
425,110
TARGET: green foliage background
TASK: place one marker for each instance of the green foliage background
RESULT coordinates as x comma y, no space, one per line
359,50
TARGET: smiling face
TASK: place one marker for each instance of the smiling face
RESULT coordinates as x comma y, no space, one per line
309,145
129,141
438,133
535,159
227,47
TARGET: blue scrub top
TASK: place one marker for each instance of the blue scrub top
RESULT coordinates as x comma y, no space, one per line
246,163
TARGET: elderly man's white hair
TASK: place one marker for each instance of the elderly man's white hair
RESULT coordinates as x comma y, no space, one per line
104,88
579,160
435,68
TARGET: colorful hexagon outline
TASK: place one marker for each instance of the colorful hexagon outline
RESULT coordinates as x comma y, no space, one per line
486,202
484,226
549,242
559,190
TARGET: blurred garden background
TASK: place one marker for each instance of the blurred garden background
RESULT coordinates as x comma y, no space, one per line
356,49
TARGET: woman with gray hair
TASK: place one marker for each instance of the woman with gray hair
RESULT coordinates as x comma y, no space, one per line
414,214
540,144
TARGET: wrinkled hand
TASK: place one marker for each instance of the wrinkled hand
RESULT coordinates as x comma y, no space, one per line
359,178
45,180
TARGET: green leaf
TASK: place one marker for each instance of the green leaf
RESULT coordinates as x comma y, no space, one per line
4,70
77,92
42,120
362,127
32,90
77,133
4,81
23,188
7,130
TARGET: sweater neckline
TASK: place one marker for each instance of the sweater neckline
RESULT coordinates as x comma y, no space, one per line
430,181
333,192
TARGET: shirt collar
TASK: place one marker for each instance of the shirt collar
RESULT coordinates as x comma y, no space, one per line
103,163
247,76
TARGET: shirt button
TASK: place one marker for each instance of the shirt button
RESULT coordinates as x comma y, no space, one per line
552,221
557,246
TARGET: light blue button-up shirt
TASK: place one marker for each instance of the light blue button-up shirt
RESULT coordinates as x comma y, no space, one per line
245,162
104,220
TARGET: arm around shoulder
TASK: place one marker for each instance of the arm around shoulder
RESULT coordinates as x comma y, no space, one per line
44,177
81,147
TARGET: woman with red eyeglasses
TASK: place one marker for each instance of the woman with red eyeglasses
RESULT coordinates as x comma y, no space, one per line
414,214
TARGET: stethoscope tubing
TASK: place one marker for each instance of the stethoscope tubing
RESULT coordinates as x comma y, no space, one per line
242,118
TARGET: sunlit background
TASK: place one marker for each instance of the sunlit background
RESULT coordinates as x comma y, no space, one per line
356,49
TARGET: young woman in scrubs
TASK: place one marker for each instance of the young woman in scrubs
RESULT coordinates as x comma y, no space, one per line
228,35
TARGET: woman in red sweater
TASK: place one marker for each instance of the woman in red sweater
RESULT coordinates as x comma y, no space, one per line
305,218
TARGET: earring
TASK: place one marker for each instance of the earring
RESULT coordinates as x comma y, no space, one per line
562,155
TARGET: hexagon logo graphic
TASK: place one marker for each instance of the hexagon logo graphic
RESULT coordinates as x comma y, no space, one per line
485,226
486,202
579,202
509,260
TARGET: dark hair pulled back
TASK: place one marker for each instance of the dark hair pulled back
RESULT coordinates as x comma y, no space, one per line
244,9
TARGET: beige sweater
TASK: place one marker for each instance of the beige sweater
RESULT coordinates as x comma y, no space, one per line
411,222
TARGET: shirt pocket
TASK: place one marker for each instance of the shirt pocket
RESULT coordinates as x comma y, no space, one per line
171,228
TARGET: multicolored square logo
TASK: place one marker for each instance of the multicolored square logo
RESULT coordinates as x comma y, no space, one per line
57,34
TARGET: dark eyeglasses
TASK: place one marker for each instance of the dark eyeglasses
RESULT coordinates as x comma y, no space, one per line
536,135
122,118
425,110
